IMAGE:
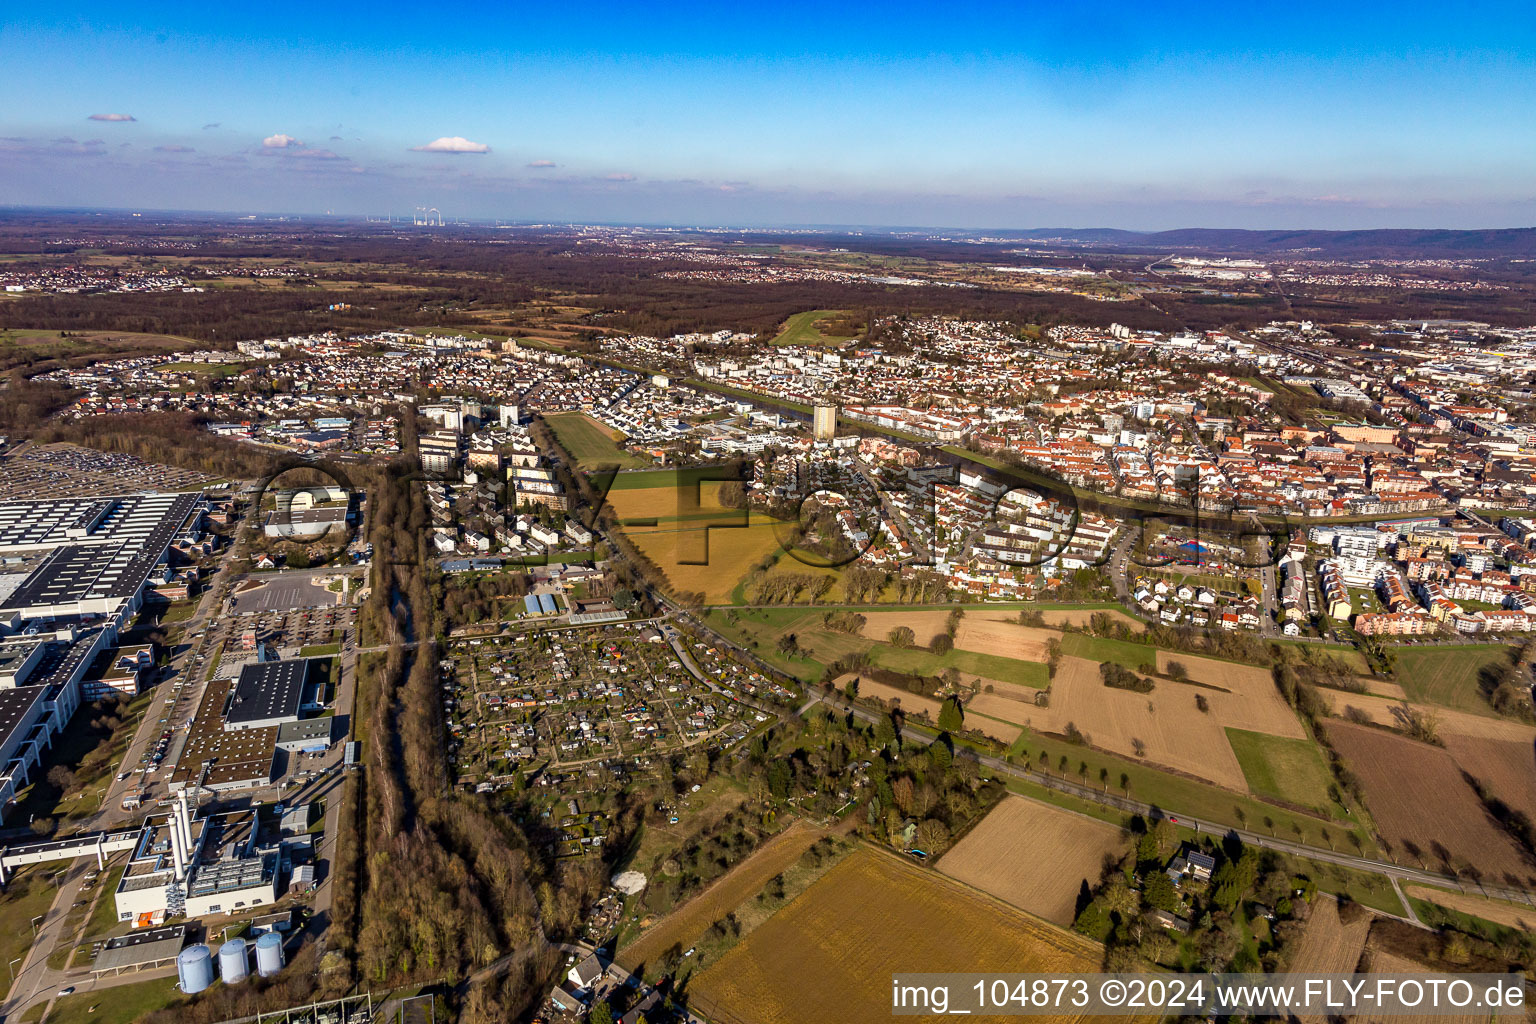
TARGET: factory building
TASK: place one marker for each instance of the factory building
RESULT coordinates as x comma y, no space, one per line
195,867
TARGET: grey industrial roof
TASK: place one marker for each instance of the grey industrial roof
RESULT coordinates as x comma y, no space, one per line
268,690
137,949
16,710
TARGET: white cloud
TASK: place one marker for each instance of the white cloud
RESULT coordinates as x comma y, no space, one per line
542,163
281,141
113,117
621,177
174,149
452,144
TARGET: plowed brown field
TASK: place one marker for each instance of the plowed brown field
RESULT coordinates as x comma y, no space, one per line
1033,855
1417,795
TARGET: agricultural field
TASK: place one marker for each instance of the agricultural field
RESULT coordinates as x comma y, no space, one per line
1328,945
1420,801
1393,714
1512,915
1449,676
917,704
700,544
819,646
1080,616
830,953
1034,856
991,633
1178,792
1506,766
1382,962
685,925
1288,770
1134,656
1165,722
591,443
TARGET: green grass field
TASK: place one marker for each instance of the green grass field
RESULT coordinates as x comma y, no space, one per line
1283,769
967,663
590,443
1181,795
820,647
804,329
1134,656
28,895
1449,676
118,1005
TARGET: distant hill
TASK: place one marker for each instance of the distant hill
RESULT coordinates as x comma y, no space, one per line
1392,242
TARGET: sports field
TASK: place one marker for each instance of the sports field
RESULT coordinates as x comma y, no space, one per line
830,954
591,443
806,329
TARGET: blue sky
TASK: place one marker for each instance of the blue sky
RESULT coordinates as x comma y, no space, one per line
1004,116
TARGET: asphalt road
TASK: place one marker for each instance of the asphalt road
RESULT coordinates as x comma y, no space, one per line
1399,872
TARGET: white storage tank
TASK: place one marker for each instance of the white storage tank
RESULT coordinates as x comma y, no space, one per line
269,954
233,965
194,968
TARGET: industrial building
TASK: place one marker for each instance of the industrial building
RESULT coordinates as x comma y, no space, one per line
96,557
140,951
195,867
267,693
307,513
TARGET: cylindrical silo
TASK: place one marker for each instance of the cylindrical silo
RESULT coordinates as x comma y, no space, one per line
194,968
233,966
269,954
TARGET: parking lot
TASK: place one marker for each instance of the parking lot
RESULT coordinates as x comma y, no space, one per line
282,593
297,628
69,470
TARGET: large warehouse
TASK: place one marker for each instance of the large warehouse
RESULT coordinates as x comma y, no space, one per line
267,693
96,556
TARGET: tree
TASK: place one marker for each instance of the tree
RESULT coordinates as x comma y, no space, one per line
601,1013
1119,898
1158,892
932,835
902,637
61,777
941,644
951,717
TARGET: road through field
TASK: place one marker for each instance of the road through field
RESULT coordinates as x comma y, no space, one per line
1001,767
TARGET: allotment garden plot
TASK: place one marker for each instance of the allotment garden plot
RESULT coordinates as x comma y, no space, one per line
576,696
